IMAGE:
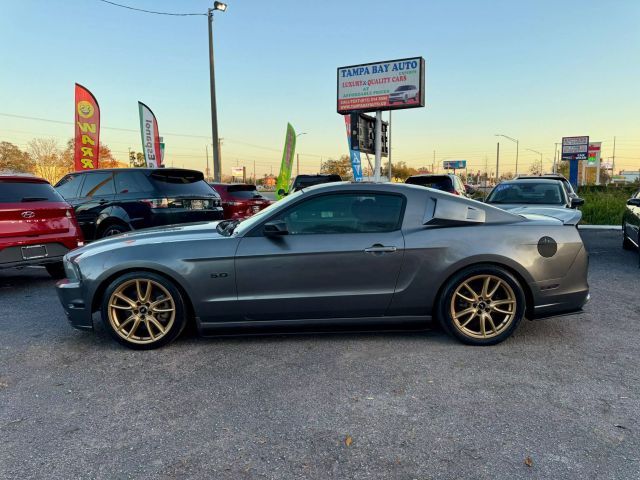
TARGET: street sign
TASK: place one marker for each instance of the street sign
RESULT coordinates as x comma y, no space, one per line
454,164
575,148
388,85
237,171
363,134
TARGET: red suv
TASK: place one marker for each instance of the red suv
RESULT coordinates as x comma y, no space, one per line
240,200
37,227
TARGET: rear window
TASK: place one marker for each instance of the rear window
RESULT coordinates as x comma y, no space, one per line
437,182
528,193
181,183
19,192
245,192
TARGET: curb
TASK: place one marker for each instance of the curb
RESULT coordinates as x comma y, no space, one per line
600,227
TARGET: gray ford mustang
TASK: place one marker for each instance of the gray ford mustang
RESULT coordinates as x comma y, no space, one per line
341,254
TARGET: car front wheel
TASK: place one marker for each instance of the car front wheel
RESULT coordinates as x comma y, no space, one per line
482,305
143,310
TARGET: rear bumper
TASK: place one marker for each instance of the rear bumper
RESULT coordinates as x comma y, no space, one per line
76,307
12,256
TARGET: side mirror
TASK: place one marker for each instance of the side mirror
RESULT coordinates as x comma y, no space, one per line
282,193
633,202
275,228
577,202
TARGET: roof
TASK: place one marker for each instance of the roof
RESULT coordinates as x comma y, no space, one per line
139,169
542,180
22,178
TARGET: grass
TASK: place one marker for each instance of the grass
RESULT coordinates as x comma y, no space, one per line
604,205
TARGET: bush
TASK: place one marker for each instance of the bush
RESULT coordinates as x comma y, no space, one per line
604,204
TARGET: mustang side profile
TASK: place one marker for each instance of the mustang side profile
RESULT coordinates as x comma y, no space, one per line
333,255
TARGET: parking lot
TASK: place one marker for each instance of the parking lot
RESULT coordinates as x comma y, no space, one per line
557,400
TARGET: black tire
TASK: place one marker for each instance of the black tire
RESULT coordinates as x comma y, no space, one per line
56,270
142,338
627,244
508,289
112,230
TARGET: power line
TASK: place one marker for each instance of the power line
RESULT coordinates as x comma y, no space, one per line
152,11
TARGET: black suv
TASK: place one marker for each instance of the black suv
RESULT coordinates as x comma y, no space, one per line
112,201
304,181
446,182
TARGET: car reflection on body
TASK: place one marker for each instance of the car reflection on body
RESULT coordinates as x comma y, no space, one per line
329,256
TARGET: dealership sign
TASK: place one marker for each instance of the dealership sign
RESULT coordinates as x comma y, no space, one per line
594,154
389,85
575,148
454,164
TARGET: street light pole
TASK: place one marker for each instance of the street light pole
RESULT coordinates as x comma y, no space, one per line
517,142
539,153
298,155
217,167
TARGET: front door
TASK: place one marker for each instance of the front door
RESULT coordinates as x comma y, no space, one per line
98,192
341,258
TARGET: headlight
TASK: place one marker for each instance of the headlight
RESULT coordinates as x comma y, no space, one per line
71,269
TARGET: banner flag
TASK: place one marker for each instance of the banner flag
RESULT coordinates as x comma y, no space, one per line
86,151
287,162
150,137
356,165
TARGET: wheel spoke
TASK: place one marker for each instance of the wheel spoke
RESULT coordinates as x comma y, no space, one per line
146,324
120,307
485,287
499,310
493,325
465,312
473,292
157,324
503,302
483,330
495,289
147,294
126,322
464,297
136,324
468,320
124,298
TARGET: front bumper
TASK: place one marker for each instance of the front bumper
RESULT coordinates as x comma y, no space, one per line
77,308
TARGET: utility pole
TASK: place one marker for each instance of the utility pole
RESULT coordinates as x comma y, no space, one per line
297,164
497,161
255,180
206,149
433,164
389,139
613,162
217,167
378,146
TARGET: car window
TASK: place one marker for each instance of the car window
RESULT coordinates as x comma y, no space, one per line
528,193
345,213
98,184
179,183
437,182
132,182
68,187
19,192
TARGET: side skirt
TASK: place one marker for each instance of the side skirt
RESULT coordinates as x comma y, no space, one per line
312,325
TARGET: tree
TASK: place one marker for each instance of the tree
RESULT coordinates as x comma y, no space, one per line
399,170
50,163
106,158
535,169
340,167
12,159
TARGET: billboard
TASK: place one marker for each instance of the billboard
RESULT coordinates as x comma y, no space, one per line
575,148
388,85
237,171
150,137
593,158
86,149
454,164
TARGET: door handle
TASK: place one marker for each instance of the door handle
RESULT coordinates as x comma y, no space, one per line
380,249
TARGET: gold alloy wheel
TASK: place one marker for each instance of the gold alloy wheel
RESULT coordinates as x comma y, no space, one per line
141,311
483,306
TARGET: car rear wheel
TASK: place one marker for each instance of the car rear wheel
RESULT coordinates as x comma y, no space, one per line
112,230
143,310
482,305
56,270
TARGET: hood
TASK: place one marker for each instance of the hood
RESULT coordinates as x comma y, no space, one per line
168,233
567,216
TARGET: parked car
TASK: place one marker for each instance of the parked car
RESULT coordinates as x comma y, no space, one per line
112,201
403,94
631,223
356,254
527,195
305,181
240,200
555,176
37,227
445,182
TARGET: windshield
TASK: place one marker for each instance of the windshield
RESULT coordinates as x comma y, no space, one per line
251,222
529,192
18,192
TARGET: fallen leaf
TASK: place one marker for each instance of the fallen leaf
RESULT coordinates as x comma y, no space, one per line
619,426
528,462
348,441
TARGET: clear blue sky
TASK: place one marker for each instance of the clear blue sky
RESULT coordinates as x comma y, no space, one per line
534,70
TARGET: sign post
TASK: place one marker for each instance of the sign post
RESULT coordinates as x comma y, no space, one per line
379,86
574,149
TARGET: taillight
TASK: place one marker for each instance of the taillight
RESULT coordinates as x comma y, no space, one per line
234,204
156,202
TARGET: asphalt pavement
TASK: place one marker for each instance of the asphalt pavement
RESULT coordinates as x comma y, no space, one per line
560,399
